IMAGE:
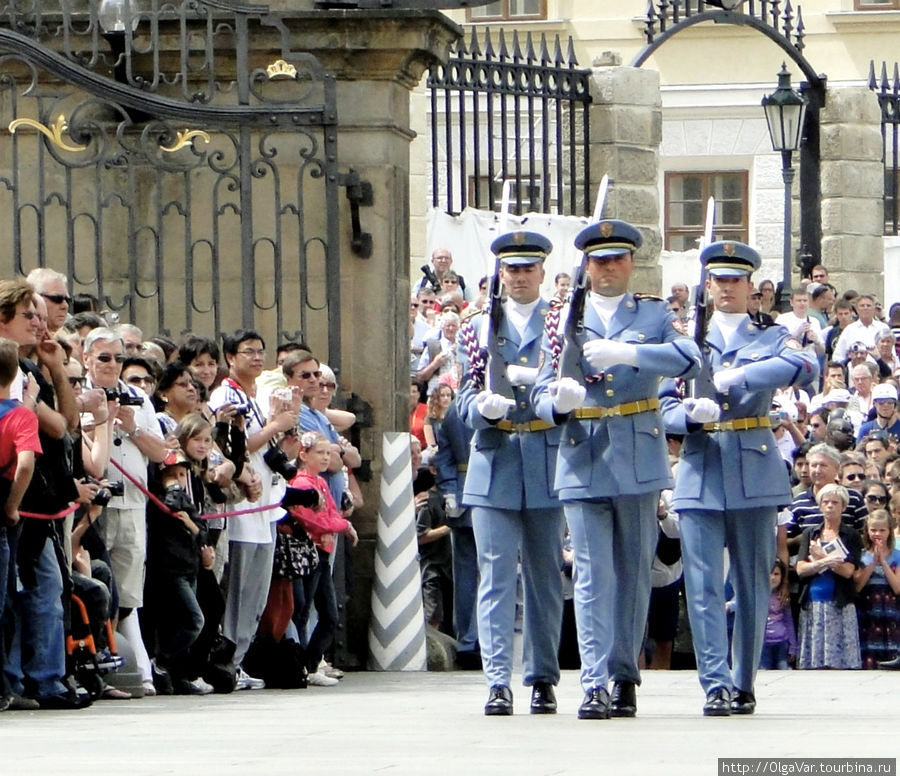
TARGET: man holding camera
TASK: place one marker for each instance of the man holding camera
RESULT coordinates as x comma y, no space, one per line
441,259
137,441
251,537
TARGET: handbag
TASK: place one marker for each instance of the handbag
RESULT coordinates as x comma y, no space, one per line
296,555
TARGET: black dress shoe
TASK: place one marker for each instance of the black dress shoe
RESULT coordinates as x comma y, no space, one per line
743,702
595,704
622,701
890,665
718,703
543,698
500,702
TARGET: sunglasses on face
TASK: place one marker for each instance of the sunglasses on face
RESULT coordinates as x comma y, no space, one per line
876,499
329,386
57,298
73,381
308,375
136,379
855,476
107,357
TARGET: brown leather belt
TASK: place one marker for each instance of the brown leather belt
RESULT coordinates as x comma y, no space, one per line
518,428
739,424
631,408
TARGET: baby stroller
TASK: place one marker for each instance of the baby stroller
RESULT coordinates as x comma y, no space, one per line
84,661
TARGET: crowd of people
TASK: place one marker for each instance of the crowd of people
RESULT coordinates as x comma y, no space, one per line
175,496
623,466
589,463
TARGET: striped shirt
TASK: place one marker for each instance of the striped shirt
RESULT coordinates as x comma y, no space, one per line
805,512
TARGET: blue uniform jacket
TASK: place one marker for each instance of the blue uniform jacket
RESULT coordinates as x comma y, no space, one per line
453,440
627,455
510,470
755,471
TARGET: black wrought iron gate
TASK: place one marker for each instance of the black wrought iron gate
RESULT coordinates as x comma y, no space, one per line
176,159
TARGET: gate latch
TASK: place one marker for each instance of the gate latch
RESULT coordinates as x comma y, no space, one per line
360,194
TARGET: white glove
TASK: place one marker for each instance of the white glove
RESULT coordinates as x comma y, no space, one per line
728,377
492,406
567,395
521,375
451,507
702,410
603,353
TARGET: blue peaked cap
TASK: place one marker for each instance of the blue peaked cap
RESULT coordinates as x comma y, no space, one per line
729,258
521,248
608,238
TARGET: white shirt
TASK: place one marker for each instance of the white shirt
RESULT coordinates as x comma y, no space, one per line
605,306
127,454
728,323
858,332
519,314
253,528
793,323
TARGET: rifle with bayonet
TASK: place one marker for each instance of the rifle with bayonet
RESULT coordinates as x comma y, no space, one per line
703,383
570,357
495,378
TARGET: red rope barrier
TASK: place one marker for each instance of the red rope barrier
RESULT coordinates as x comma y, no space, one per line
206,516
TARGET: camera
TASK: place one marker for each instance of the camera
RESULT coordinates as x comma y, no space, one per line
346,501
124,398
106,491
242,409
428,272
276,459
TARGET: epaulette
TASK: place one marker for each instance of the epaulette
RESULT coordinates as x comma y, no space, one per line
638,297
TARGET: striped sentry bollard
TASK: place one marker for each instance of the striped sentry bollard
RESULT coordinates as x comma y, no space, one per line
397,626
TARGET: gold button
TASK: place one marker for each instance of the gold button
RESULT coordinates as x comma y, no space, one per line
655,432
609,377
523,404
641,337
610,392
764,447
523,360
726,364
521,387
725,406
571,441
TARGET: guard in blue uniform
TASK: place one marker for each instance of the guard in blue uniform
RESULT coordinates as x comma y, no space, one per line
600,381
508,484
731,477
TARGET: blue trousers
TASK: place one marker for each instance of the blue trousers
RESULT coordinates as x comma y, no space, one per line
465,587
180,620
614,540
749,536
316,589
500,536
37,661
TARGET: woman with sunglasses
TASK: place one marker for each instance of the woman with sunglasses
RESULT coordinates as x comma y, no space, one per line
875,495
175,397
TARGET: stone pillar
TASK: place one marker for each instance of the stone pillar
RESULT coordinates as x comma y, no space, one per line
852,189
377,57
626,132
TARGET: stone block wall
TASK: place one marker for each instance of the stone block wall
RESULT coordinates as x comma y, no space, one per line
626,132
852,176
